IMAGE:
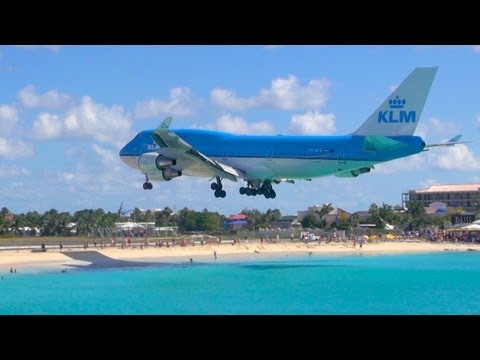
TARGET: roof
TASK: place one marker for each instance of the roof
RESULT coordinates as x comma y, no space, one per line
237,217
288,218
450,188
337,211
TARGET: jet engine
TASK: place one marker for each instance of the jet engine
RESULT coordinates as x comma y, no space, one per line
169,173
152,162
353,173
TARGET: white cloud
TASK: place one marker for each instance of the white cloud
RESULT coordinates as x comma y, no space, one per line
436,126
109,179
228,99
53,48
109,157
14,171
424,184
180,103
312,123
284,93
458,157
13,148
272,47
238,125
476,48
414,162
52,99
86,120
8,118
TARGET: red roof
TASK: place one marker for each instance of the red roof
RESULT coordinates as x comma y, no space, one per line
237,217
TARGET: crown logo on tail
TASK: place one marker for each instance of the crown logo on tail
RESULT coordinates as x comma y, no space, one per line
397,103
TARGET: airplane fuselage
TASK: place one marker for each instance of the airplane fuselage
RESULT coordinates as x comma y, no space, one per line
272,157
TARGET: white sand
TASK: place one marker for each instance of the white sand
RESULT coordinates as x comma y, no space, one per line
56,259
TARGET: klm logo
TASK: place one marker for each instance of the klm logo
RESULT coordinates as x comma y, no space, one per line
397,116
153,147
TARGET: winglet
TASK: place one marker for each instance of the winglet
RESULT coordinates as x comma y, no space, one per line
165,125
455,139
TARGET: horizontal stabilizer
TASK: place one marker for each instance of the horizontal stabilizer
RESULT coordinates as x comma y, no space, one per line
453,141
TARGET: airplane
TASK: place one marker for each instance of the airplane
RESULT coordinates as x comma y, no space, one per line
264,160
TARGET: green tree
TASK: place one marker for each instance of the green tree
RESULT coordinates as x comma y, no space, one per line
355,219
50,222
310,221
326,208
186,220
255,218
375,215
164,217
343,225
415,214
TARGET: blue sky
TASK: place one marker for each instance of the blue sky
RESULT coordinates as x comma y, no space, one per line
65,112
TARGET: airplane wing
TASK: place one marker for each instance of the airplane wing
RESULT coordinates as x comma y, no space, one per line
176,145
451,142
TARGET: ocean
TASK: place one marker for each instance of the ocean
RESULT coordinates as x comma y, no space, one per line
432,283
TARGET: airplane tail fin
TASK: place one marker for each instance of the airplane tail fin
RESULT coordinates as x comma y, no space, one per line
400,112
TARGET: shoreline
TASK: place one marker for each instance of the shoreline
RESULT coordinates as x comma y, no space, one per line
29,261
132,257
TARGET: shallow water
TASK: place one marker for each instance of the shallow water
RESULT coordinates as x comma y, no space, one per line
434,283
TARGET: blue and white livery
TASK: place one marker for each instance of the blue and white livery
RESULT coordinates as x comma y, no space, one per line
163,154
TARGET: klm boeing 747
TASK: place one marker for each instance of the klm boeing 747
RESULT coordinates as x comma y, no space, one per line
261,161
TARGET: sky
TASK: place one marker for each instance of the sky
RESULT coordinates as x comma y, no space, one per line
66,111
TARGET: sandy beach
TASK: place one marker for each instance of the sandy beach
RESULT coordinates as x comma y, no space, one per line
117,257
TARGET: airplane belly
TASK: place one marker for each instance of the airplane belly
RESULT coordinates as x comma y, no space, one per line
262,168
131,161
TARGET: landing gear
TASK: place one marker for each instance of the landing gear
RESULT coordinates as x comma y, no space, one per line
265,189
147,185
217,188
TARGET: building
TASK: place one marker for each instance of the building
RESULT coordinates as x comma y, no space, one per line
287,222
235,222
311,210
455,195
335,216
363,216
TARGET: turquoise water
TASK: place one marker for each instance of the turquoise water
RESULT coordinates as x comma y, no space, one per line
438,283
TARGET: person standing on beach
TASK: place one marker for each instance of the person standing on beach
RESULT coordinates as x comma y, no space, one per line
215,254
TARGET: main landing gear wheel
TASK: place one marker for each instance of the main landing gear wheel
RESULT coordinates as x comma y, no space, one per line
265,189
217,188
220,193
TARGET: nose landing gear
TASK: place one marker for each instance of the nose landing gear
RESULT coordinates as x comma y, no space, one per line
147,185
